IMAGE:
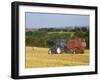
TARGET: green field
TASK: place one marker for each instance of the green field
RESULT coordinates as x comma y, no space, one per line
61,32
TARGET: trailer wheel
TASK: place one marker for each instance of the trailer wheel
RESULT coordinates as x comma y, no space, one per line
82,51
76,51
58,50
73,51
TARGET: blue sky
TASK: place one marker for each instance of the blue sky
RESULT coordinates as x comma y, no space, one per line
39,20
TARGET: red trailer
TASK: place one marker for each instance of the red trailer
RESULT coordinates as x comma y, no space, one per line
76,45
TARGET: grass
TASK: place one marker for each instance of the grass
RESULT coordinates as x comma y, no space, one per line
61,32
39,57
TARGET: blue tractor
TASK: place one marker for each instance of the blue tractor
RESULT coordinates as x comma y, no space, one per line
58,46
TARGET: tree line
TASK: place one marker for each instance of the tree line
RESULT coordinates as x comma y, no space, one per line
44,36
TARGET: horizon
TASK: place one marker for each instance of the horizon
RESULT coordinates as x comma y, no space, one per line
58,27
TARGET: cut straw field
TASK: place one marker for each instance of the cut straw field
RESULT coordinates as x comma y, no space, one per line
39,57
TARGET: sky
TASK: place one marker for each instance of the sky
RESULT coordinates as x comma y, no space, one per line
47,20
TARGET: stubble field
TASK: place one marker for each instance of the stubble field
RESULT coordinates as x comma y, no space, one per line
38,57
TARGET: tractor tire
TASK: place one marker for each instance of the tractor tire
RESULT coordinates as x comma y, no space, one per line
49,51
58,50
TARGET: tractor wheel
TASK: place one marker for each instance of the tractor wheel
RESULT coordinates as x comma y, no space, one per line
49,51
58,50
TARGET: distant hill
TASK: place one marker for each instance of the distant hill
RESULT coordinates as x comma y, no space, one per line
30,29
53,29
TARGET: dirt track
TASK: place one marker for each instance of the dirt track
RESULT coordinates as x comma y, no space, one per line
39,57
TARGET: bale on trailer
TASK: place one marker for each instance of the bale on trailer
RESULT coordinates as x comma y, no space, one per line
76,45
